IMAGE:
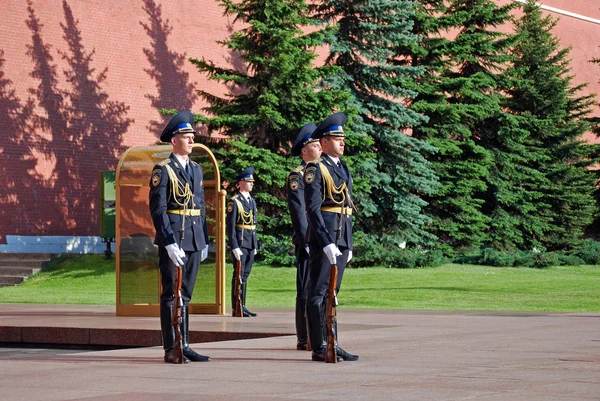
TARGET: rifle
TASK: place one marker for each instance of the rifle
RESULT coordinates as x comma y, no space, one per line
331,318
178,302
238,289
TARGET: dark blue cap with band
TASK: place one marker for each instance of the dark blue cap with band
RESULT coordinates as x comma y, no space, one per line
332,126
246,175
181,123
304,137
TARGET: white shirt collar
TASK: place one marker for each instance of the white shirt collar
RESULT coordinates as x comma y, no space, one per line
335,160
182,162
246,195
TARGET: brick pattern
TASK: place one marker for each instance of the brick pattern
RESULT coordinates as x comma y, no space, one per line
82,81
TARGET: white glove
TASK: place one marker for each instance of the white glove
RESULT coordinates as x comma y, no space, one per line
204,254
255,250
307,249
332,251
237,253
349,256
176,254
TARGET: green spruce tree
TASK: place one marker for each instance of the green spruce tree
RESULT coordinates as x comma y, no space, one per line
462,51
551,114
363,47
273,91
594,229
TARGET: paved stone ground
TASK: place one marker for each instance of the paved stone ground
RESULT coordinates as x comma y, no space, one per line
404,355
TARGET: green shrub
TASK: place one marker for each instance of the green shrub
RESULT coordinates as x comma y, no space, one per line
370,251
492,257
275,251
570,260
524,258
589,252
546,259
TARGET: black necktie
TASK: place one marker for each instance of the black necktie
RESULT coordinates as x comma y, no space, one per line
343,170
188,171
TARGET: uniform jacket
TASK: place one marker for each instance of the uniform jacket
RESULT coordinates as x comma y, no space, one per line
167,225
241,237
295,198
322,225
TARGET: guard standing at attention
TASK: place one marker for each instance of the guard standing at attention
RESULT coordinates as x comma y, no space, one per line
309,149
241,231
176,197
328,199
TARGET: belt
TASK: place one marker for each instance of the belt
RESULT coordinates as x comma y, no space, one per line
187,212
246,227
338,210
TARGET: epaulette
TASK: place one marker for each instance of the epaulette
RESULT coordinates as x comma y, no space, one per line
325,161
235,196
315,162
297,171
163,162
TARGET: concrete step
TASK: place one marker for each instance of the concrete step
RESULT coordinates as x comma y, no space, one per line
16,267
25,256
6,281
23,263
19,270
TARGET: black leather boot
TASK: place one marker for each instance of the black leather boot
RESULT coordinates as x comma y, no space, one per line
168,335
245,311
187,351
301,334
317,332
346,356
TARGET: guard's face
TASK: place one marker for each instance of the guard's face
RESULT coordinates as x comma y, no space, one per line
312,151
183,143
246,186
333,145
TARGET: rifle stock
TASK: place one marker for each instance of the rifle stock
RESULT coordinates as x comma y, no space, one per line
177,307
178,302
331,319
238,289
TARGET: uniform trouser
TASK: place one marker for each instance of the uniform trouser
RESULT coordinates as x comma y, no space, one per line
302,279
319,269
247,260
167,275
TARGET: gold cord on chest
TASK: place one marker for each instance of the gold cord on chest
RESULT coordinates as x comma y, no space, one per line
180,191
330,190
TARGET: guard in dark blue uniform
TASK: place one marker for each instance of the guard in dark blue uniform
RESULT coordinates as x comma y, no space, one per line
176,199
328,199
309,149
241,231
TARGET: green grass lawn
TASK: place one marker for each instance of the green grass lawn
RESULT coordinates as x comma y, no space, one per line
91,280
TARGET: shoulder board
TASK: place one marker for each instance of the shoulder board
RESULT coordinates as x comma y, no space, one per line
298,171
326,162
163,162
193,162
314,162
235,196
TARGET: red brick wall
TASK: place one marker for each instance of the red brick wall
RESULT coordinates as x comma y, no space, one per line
81,81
